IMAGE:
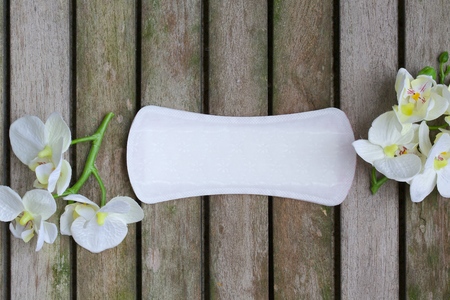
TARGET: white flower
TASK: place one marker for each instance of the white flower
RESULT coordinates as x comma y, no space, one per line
388,150
436,170
97,229
418,99
28,215
41,146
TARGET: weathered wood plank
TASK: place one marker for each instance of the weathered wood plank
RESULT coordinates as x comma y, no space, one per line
369,223
171,66
427,34
238,86
4,232
105,68
303,77
40,85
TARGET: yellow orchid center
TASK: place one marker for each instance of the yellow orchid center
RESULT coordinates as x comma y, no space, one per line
101,216
75,214
441,160
391,150
408,109
47,152
25,218
416,96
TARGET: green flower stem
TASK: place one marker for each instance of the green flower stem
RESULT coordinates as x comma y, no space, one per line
102,186
437,127
89,167
376,183
84,139
441,73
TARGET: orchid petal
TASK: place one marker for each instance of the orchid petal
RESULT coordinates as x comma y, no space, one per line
27,235
402,168
53,178
403,79
43,173
81,199
57,129
439,107
86,211
97,238
39,202
66,219
16,229
422,185
64,179
385,130
10,204
424,139
442,145
368,151
119,207
443,182
39,223
27,136
135,213
50,232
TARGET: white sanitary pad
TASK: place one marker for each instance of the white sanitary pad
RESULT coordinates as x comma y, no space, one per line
175,154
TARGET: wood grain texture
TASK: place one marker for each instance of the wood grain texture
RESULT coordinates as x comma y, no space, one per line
105,68
303,76
238,87
40,70
369,233
4,231
171,66
428,222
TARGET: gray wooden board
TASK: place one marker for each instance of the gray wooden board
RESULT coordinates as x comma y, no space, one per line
40,85
368,59
427,34
238,87
105,70
303,235
171,68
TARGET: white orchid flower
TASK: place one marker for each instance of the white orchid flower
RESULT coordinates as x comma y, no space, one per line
418,99
28,215
41,146
436,170
97,229
392,153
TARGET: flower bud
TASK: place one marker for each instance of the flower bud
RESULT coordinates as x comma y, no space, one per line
443,58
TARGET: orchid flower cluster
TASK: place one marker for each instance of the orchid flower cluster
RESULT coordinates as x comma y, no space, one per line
399,144
41,147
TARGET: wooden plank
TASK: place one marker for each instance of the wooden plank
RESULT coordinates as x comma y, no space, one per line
428,222
4,231
368,59
105,67
302,75
40,85
172,231
238,87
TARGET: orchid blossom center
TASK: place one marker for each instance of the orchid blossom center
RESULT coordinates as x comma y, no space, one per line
394,150
101,216
47,152
441,160
27,217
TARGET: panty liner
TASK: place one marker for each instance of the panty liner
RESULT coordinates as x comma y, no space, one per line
174,154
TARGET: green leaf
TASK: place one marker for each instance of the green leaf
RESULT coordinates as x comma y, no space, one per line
429,71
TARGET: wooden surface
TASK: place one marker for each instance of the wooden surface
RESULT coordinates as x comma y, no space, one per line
427,224
171,77
369,224
238,228
240,58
